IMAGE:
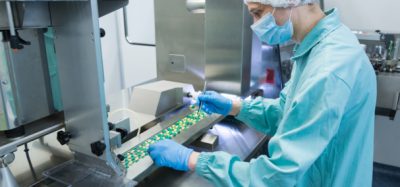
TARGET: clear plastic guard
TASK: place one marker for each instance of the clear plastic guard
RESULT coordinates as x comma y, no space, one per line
75,174
47,182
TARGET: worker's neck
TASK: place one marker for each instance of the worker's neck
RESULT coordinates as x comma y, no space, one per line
305,18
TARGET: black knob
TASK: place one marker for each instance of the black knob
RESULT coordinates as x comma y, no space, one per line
14,43
108,108
102,32
98,148
121,157
122,131
63,137
111,126
257,93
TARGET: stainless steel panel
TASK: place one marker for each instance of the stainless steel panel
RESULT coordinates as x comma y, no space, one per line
43,0
228,46
179,32
177,63
77,43
7,104
2,111
3,15
107,6
32,87
25,81
215,46
388,90
36,14
27,15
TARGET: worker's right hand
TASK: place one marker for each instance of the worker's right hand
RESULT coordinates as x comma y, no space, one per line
212,102
170,154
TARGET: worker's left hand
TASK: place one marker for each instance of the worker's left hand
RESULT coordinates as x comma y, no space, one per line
170,154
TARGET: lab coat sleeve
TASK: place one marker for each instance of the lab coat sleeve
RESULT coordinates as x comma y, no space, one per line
307,128
263,114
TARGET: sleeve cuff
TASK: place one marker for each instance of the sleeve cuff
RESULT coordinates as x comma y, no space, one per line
243,113
202,164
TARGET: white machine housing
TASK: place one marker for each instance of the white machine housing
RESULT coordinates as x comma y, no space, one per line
159,97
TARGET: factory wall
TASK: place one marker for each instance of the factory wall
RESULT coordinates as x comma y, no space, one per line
369,15
126,65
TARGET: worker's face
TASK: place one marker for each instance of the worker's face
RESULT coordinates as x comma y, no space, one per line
258,10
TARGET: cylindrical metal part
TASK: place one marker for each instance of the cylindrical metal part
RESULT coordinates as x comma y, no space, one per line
396,54
7,178
10,18
196,6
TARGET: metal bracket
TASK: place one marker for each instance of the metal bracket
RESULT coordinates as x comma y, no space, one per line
7,159
396,103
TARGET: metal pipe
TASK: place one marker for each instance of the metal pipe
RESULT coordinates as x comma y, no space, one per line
126,31
7,178
10,18
196,6
40,129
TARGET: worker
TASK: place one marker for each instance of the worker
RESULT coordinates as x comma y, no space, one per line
321,126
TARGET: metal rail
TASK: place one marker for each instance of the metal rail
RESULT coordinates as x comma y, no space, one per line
34,131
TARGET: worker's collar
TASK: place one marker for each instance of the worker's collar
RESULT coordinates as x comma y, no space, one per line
325,26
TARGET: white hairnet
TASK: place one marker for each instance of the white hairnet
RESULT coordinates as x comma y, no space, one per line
281,3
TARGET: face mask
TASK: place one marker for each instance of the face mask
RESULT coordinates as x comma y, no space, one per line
271,33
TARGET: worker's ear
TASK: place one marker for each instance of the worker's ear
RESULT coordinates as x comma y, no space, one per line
282,15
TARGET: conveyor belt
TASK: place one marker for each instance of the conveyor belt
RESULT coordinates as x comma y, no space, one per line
140,151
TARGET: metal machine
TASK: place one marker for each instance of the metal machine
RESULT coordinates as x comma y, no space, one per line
26,93
187,40
383,50
197,41
25,71
110,147
190,50
158,110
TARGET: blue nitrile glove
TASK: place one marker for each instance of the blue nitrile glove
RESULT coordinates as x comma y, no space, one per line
170,154
213,102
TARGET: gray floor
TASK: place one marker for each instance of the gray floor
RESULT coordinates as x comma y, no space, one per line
386,176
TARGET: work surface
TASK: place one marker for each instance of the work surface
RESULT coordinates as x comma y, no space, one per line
234,138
